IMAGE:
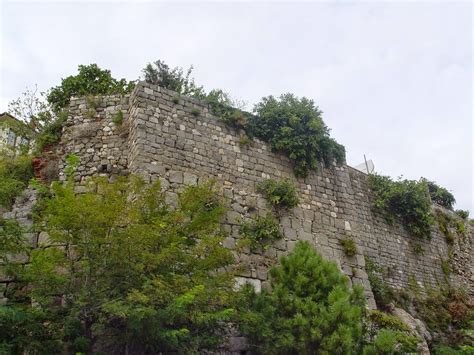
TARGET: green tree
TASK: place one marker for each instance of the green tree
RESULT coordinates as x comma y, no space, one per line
91,80
124,272
310,310
295,126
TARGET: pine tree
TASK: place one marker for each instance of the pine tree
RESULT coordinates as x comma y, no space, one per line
310,310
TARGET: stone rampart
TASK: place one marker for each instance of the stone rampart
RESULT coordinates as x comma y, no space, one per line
179,141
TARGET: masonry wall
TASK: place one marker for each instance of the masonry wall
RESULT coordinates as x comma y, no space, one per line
161,139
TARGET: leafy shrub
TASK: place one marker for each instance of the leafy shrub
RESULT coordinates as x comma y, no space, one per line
260,231
15,172
279,193
136,266
310,308
463,214
176,79
440,195
295,126
383,294
91,80
405,200
349,246
51,133
118,118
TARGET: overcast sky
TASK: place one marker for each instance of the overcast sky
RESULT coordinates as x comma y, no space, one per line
394,79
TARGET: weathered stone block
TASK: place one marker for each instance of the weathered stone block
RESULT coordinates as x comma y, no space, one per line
176,177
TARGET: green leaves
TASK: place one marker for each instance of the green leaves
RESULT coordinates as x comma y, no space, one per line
440,195
295,127
15,172
176,79
91,80
405,200
309,310
122,263
260,231
281,194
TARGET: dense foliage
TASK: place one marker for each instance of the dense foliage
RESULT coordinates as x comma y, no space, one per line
295,126
281,193
15,172
259,231
405,200
464,214
440,195
91,80
132,274
310,310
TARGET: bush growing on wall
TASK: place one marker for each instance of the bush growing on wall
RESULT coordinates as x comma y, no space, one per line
311,309
295,126
91,80
440,195
405,200
260,231
281,194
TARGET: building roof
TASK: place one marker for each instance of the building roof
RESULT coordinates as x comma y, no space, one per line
7,116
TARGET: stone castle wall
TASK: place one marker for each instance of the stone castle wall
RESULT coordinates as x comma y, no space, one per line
183,144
